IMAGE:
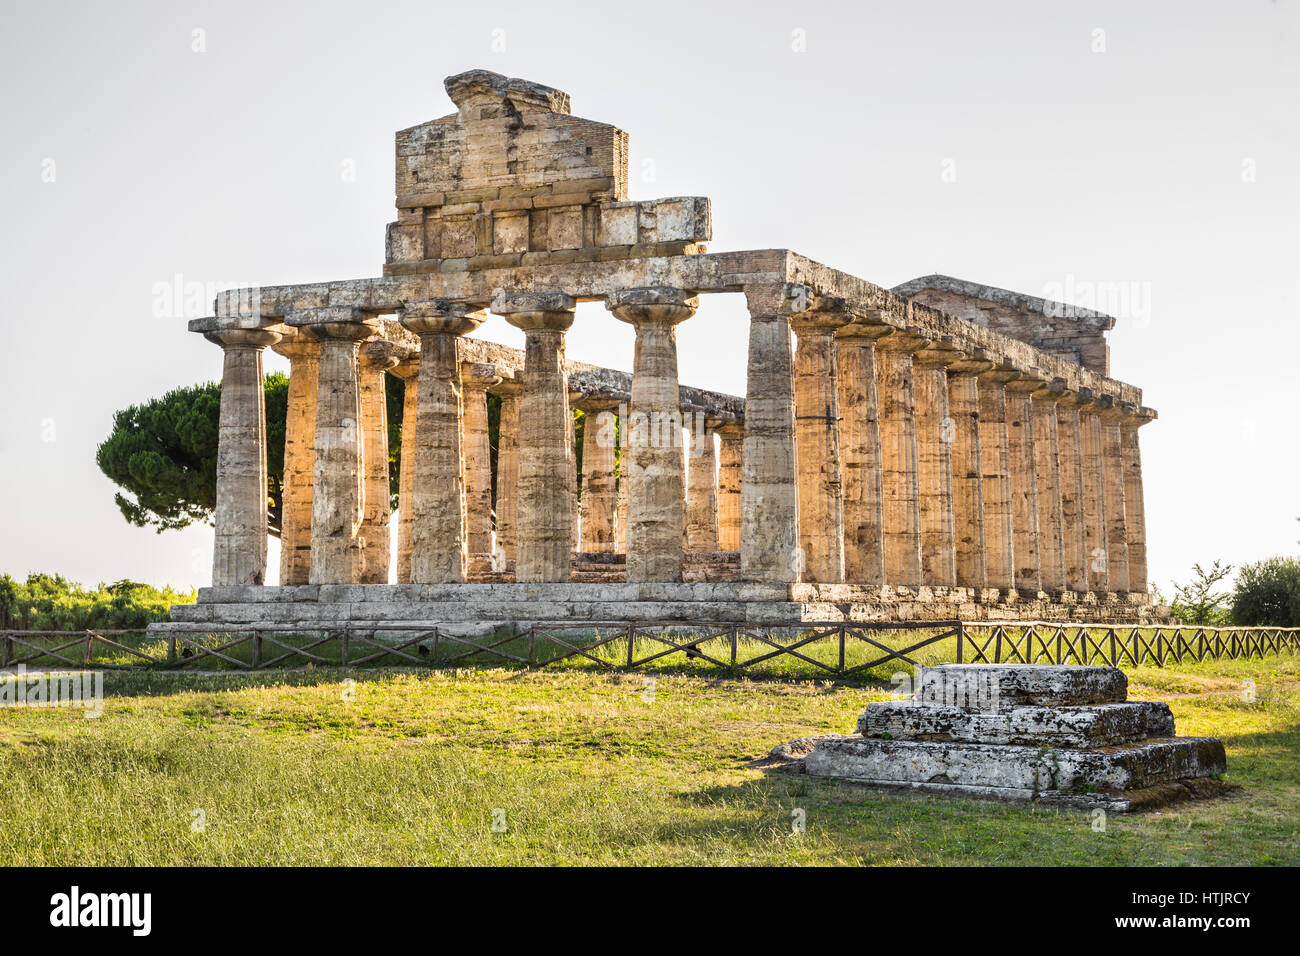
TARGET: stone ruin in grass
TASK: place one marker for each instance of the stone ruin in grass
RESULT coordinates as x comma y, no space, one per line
1061,736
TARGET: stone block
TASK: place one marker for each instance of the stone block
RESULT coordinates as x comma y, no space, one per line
1096,725
997,686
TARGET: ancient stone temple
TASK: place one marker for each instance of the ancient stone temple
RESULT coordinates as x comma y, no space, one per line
933,451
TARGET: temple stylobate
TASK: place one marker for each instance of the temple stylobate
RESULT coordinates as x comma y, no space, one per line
938,450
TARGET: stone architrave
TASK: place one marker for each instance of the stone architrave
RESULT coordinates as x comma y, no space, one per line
999,536
303,354
817,433
900,472
769,494
731,457
968,467
599,500
656,479
409,372
544,506
375,359
439,543
239,550
864,542
338,477
475,380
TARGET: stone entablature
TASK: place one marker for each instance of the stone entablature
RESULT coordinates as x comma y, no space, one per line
897,448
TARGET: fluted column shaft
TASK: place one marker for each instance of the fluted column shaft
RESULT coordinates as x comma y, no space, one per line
900,474
409,372
1074,535
1051,533
544,504
656,478
299,454
702,493
239,546
1134,504
731,456
510,391
968,468
1111,416
375,359
999,555
817,432
1094,497
337,481
599,462
439,543
475,382
769,494
1024,482
864,543
935,434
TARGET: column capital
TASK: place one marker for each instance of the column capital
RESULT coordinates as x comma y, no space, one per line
1110,409
1139,415
1081,398
909,339
333,322
440,315
939,353
510,385
536,310
296,345
653,305
1055,390
243,338
382,354
1031,381
825,314
408,368
777,300
479,376
596,403
1001,371
974,362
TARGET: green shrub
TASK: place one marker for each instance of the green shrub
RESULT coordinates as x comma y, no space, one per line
50,602
1268,594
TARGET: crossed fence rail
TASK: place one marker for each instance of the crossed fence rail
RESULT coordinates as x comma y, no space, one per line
732,647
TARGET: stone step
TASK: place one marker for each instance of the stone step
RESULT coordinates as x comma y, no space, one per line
1003,767
991,687
1094,725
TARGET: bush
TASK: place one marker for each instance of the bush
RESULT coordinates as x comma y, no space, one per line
50,602
1268,594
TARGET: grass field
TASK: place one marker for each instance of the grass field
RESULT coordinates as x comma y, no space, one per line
574,765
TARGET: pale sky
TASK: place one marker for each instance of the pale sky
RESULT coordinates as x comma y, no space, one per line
1143,158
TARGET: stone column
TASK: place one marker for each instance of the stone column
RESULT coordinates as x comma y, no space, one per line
1134,506
575,518
544,515
817,434
936,431
900,473
1074,537
475,380
864,542
702,493
303,354
375,358
337,480
1047,471
511,391
439,546
1023,473
239,547
1112,415
769,493
656,486
731,457
599,462
968,467
409,372
999,553
1094,496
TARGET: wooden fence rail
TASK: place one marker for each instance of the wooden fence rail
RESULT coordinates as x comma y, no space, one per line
836,648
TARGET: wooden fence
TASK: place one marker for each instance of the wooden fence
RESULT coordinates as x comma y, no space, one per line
836,648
